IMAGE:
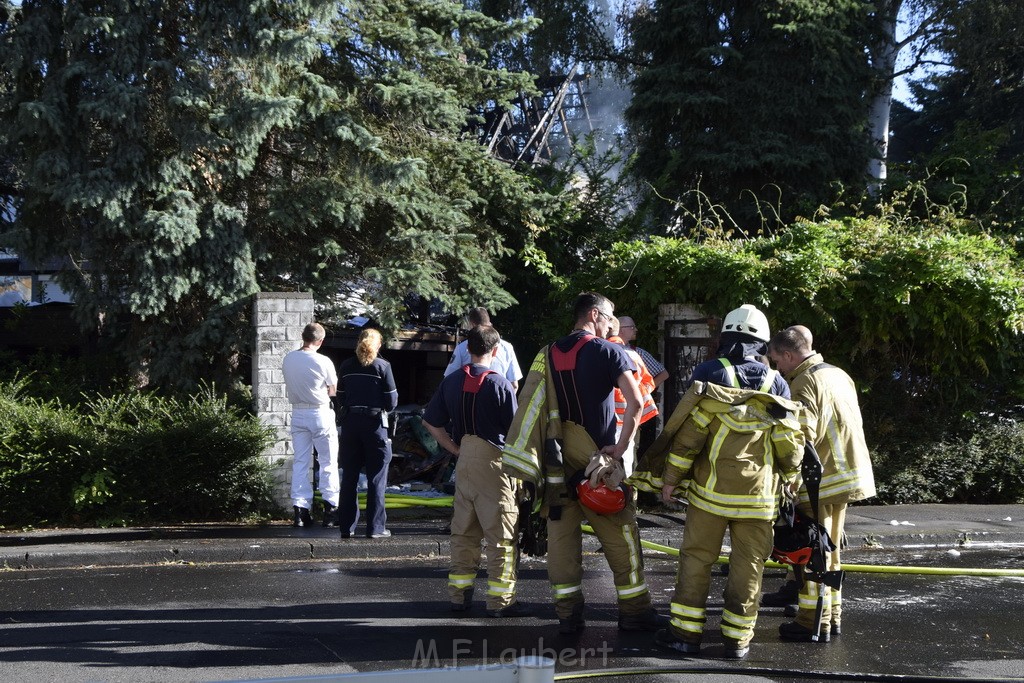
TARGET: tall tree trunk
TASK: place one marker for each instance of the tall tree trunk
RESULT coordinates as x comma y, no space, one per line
883,59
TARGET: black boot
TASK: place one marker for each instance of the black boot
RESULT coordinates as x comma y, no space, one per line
330,516
301,518
645,621
574,624
786,595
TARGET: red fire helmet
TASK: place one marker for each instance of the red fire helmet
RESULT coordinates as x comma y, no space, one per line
602,500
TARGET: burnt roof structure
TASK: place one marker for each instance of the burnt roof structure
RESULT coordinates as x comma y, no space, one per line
537,126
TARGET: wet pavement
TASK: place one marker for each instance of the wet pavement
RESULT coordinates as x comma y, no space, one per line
217,602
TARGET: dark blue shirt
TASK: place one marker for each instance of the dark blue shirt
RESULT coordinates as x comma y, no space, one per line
370,386
585,394
750,373
486,414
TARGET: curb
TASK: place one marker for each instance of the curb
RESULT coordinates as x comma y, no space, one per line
868,528
205,551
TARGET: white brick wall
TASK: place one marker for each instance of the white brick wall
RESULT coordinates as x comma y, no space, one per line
278,321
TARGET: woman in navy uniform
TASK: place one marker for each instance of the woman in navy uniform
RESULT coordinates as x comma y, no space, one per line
366,393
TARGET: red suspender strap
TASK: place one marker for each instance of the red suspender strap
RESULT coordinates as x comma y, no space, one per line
470,388
563,361
471,384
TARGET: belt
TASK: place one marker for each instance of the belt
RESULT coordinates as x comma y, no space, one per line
363,410
310,406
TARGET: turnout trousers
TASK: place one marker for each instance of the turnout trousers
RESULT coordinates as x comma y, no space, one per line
364,444
484,509
620,543
312,427
618,534
833,518
702,544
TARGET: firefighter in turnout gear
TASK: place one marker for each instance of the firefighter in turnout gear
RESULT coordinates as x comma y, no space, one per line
832,423
725,448
566,415
478,404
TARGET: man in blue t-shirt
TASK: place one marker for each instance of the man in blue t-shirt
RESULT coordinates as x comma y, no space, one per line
469,415
584,368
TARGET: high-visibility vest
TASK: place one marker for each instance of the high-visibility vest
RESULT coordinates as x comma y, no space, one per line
649,408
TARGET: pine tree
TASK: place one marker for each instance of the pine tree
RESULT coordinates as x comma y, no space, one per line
749,102
180,156
968,136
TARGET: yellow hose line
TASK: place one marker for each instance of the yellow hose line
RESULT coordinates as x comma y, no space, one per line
400,501
860,568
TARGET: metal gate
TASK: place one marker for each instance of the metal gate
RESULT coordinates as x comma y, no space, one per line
688,343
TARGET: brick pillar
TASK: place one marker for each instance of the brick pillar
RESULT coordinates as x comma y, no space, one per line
278,319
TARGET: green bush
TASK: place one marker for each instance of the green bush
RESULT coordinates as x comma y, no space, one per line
927,316
986,466
47,375
45,450
129,458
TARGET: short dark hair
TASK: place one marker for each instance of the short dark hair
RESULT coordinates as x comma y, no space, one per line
482,339
588,300
313,333
478,316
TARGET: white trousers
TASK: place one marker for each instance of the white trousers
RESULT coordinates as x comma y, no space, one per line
312,427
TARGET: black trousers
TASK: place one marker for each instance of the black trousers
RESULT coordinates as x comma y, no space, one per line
363,444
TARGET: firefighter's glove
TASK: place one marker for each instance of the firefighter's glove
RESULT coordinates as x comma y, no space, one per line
604,468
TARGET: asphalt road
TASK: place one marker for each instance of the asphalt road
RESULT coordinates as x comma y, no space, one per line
269,619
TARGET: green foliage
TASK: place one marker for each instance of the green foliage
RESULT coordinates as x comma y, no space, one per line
756,108
47,375
570,31
587,211
966,140
180,161
986,465
932,309
926,316
45,451
131,457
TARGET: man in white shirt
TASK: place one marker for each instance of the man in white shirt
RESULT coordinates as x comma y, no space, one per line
504,362
311,380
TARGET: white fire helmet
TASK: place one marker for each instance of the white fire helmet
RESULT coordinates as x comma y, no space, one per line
747,320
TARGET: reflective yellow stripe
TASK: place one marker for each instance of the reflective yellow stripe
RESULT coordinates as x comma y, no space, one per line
500,588
521,461
687,611
461,580
682,462
517,454
508,562
700,418
767,514
627,592
687,618
735,633
739,619
688,626
563,589
730,372
714,451
769,380
736,626
744,426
